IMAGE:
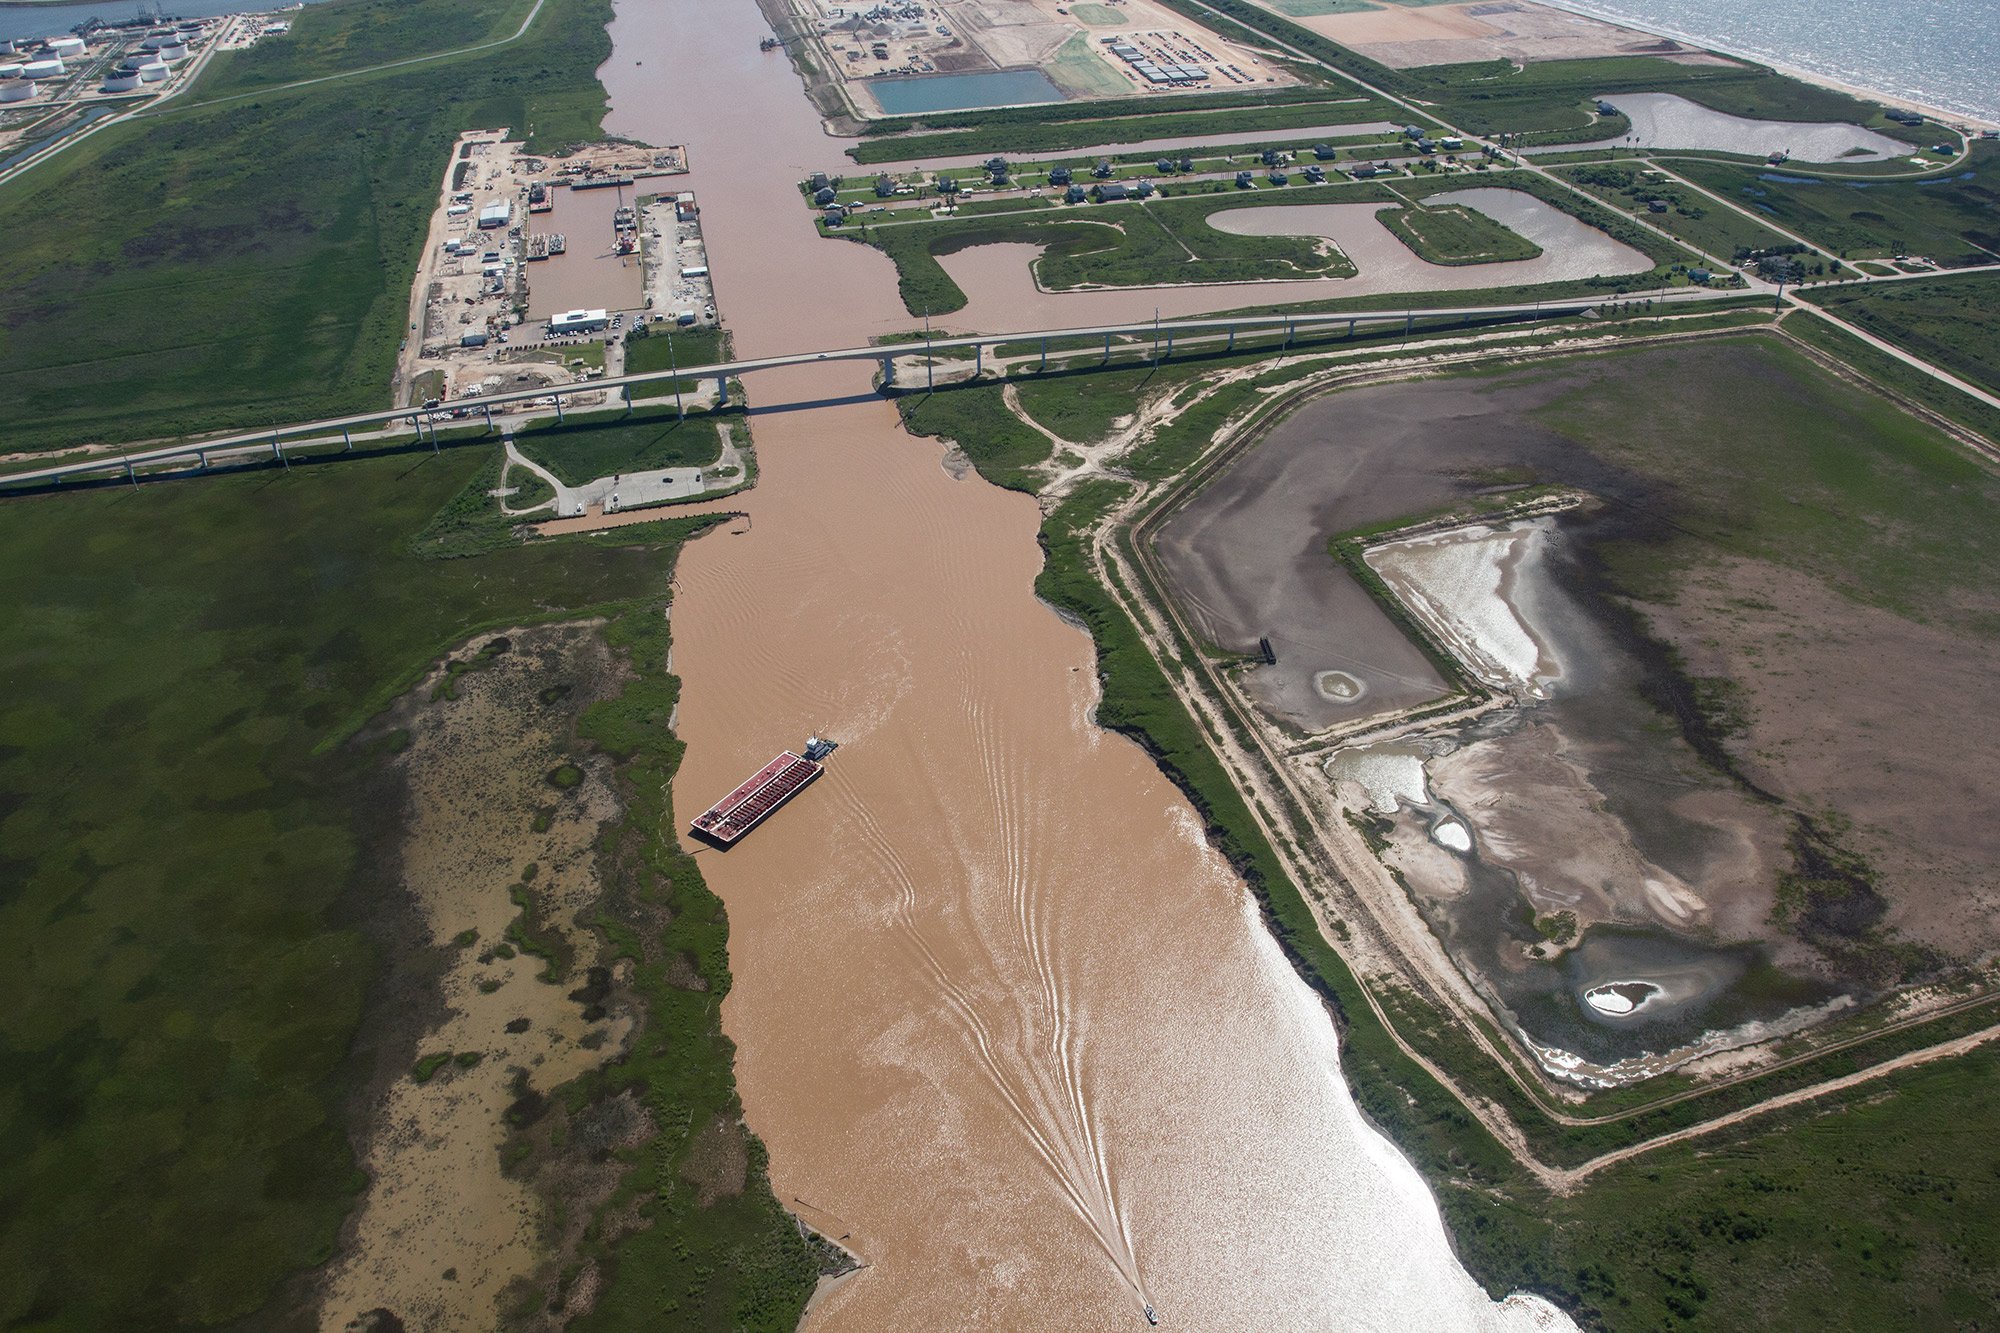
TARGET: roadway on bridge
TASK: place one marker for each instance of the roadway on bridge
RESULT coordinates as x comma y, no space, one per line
324,430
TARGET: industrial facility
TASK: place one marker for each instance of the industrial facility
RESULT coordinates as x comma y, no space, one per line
578,321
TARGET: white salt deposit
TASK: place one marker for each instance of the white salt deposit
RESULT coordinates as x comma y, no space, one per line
1456,584
1453,835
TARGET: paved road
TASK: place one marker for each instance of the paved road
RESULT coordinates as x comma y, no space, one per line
622,386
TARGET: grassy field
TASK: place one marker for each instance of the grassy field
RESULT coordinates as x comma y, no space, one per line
587,448
1954,221
1952,322
1080,71
323,236
190,875
1449,234
1061,128
1866,1210
1702,223
690,347
357,34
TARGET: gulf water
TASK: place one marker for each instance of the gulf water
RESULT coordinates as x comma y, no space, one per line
1942,53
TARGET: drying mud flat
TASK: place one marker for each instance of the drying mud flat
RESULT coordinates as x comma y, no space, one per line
1002,290
503,808
1661,820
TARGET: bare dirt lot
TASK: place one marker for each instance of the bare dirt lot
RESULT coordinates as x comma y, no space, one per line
1070,44
1403,37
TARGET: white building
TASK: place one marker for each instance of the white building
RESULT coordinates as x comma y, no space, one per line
578,321
499,213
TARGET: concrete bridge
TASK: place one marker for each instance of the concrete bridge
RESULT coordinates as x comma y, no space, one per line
1071,344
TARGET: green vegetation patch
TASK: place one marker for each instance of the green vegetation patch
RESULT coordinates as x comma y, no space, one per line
1103,15
174,274
1690,215
696,1257
1080,71
1845,486
1952,322
1954,221
186,847
603,445
1061,127
1309,9
359,34
1452,234
652,347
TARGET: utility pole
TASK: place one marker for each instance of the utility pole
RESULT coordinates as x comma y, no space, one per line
1156,336
930,362
674,369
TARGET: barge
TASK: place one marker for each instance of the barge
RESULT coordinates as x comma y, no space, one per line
761,793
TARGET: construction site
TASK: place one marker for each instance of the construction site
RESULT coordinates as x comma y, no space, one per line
537,269
909,58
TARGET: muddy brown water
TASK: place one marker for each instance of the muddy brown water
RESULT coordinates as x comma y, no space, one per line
590,274
1010,1029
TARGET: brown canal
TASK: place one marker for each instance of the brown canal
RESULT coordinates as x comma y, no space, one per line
1009,1028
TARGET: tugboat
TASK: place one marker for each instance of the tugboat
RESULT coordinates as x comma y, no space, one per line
768,44
818,748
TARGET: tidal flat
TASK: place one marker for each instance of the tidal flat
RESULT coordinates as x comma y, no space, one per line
1717,776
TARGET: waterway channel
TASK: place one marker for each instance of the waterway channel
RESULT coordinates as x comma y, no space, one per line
1004,1020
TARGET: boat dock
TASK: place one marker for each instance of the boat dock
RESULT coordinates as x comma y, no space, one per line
539,246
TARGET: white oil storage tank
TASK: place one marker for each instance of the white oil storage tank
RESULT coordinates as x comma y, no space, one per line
10,69
152,72
155,40
43,69
121,81
9,45
16,90
66,48
173,51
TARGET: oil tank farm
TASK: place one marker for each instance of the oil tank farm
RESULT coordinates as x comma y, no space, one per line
43,69
173,51
10,69
66,48
152,71
121,81
16,90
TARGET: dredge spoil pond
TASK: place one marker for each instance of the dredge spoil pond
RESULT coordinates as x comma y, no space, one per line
1744,743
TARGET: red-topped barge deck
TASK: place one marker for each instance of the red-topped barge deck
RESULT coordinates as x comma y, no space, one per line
746,807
